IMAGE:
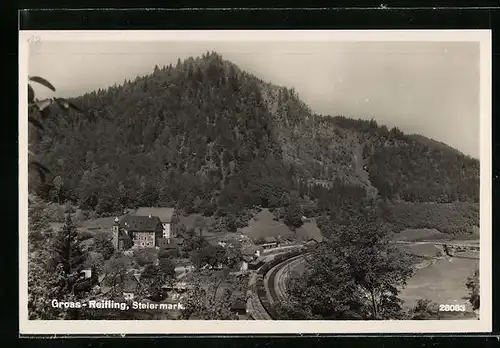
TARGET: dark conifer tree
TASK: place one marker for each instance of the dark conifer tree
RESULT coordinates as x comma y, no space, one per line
67,253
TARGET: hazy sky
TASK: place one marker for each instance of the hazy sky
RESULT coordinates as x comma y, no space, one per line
430,88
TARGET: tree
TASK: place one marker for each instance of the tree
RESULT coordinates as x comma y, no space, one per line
44,285
67,253
167,267
145,256
58,188
95,261
293,212
327,289
260,240
164,254
202,307
233,254
362,267
103,245
150,271
377,266
195,243
199,225
213,255
425,309
37,222
292,310
116,269
54,273
473,286
154,286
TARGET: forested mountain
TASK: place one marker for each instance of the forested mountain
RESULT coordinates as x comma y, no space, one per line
206,137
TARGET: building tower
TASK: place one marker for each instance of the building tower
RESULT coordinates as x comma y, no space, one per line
116,231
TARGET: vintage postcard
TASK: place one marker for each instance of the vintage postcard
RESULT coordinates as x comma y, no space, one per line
255,182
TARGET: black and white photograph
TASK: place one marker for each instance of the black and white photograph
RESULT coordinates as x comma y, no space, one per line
298,181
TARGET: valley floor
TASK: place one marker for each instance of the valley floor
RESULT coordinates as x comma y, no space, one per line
442,281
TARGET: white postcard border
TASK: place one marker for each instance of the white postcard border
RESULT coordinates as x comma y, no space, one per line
484,324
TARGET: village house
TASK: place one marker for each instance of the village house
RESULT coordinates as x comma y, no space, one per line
136,232
245,260
314,240
167,217
146,227
270,242
131,285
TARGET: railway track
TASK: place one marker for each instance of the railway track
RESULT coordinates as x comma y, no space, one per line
258,301
275,289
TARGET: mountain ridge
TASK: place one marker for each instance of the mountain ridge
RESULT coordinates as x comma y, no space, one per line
207,137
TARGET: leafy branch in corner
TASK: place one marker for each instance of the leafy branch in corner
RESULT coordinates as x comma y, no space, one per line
38,111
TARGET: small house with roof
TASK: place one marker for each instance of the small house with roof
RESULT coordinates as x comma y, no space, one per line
270,242
131,285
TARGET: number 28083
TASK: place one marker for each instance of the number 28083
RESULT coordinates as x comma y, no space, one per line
451,308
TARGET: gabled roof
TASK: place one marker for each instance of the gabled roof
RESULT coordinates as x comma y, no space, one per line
164,214
247,258
130,282
140,223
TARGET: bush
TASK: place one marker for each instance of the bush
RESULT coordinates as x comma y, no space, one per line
84,235
80,215
167,267
95,261
104,245
55,213
473,286
150,271
145,257
165,254
68,208
425,309
208,209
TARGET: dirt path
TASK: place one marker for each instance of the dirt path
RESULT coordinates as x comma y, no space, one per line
359,167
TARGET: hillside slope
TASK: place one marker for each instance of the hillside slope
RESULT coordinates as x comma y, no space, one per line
206,137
